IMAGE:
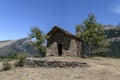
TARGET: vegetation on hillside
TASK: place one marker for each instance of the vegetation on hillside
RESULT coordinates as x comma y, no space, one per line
111,33
12,55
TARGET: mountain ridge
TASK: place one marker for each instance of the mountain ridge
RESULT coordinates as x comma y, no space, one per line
22,45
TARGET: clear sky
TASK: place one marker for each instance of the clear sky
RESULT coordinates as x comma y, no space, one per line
18,16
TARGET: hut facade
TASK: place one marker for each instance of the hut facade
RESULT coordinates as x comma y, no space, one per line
63,43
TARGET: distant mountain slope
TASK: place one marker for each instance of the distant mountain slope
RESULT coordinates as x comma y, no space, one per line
17,46
6,43
113,35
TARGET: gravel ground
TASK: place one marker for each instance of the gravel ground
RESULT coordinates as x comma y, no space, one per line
100,69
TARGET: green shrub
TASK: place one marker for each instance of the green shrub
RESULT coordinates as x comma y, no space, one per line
21,56
19,63
6,66
101,52
37,55
21,60
1,56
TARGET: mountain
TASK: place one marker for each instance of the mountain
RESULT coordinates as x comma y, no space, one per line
113,35
17,46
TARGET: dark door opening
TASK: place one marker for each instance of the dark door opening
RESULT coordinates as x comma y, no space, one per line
59,49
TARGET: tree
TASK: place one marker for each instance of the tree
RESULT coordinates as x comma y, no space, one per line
78,29
38,40
92,33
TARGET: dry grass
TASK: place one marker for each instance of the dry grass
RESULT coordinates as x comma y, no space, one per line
100,69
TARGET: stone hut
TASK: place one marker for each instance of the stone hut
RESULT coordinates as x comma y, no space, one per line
63,43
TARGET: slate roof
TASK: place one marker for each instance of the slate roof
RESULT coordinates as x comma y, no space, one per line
56,28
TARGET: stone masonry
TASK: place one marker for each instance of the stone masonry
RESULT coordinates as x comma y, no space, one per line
71,46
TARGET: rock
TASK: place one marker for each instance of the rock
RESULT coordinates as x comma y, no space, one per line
52,64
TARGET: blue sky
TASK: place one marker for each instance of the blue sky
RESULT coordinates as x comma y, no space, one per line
18,16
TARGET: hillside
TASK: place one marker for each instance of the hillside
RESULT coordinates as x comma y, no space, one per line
17,46
113,35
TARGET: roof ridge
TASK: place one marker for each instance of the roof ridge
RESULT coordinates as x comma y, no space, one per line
64,31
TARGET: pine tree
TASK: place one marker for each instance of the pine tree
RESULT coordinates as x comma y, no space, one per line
38,39
92,33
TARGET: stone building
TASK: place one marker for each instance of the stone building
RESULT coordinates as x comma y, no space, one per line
63,43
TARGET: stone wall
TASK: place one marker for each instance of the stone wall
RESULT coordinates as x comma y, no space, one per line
79,49
53,63
69,45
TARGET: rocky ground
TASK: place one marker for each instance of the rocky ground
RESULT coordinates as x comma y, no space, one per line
52,63
100,69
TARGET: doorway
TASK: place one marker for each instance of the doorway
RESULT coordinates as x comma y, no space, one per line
59,46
